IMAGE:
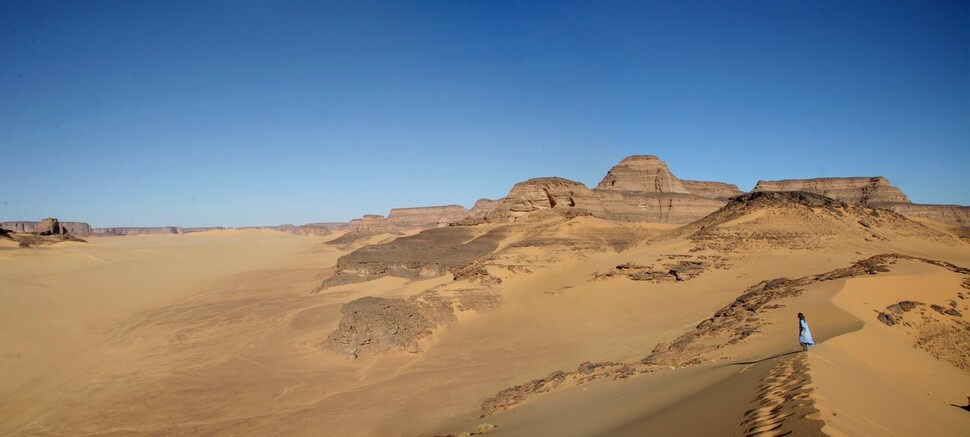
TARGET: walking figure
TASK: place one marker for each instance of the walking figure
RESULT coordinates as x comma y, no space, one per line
804,335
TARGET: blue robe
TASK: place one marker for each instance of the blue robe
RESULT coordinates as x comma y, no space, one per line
806,335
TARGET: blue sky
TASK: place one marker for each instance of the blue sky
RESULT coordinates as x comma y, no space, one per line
234,113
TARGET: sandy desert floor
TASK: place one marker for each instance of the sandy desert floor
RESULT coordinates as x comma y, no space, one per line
219,333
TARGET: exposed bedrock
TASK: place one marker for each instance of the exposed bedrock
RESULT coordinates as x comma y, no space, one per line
639,188
428,254
74,228
426,217
45,232
857,191
875,192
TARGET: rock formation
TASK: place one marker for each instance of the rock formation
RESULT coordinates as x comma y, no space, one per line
431,253
74,228
548,193
50,226
123,231
857,191
639,188
375,325
798,220
644,173
47,231
426,217
482,207
876,192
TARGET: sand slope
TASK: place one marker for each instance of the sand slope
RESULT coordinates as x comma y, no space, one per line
219,333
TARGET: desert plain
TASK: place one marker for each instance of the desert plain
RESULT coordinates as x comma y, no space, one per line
556,313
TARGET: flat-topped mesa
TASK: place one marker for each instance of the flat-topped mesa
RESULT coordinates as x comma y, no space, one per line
372,223
74,228
643,173
427,216
125,231
855,190
714,190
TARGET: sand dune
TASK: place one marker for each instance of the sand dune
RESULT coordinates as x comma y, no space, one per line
221,333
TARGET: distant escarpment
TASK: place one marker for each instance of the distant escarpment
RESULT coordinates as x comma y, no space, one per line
74,228
876,192
124,231
45,232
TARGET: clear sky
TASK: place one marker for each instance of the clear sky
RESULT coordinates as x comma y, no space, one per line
233,113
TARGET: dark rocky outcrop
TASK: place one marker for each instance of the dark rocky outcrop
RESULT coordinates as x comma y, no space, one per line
428,254
375,325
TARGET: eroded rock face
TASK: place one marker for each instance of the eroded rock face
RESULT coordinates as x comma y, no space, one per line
49,226
548,193
426,217
644,173
949,214
47,231
74,228
713,190
876,192
857,191
482,207
639,188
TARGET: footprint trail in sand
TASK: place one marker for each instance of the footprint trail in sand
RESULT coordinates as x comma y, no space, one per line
783,404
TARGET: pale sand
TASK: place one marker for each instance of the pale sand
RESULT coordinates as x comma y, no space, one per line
217,333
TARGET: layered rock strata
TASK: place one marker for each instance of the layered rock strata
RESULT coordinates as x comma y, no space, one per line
857,191
426,217
45,232
639,188
876,192
74,228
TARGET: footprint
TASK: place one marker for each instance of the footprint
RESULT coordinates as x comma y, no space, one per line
783,400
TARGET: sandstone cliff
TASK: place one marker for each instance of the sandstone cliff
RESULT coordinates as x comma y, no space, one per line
875,192
642,173
45,232
639,188
74,228
857,191
482,207
426,217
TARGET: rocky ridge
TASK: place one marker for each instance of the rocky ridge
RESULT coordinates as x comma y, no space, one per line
876,192
728,326
797,220
639,188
